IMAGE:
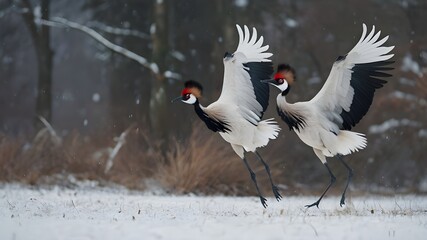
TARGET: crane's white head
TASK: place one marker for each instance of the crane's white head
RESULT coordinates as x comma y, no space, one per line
191,93
280,82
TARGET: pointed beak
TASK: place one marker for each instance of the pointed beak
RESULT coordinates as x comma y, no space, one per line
176,99
271,81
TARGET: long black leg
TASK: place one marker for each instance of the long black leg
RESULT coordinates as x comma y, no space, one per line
333,179
253,177
349,177
273,187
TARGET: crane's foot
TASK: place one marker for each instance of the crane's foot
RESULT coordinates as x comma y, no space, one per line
263,201
313,204
342,201
276,193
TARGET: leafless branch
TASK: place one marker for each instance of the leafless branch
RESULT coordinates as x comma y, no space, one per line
120,142
118,31
62,22
94,34
24,7
52,131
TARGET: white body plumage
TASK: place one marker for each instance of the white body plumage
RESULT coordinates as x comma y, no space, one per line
324,127
237,114
239,106
321,134
324,122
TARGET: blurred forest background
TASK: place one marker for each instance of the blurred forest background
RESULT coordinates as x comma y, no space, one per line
85,89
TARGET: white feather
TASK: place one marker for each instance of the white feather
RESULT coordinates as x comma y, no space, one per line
254,52
322,113
346,143
267,129
336,92
237,104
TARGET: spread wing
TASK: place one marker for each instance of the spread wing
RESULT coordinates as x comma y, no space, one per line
243,71
349,90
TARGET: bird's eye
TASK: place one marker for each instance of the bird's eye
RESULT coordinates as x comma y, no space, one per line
280,81
186,97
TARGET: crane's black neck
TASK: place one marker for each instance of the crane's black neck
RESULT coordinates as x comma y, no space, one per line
294,119
284,93
211,123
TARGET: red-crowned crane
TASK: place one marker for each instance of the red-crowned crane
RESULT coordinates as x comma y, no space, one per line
237,114
324,122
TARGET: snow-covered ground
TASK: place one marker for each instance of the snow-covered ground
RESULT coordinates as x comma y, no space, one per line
97,213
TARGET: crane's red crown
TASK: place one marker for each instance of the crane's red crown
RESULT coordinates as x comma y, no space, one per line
186,91
278,76
192,87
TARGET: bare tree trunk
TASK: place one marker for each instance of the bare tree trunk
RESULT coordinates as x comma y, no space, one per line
159,104
415,14
44,93
41,40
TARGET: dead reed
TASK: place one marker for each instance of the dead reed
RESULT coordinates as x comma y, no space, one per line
203,163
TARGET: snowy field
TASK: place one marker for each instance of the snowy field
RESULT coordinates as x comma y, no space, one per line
98,213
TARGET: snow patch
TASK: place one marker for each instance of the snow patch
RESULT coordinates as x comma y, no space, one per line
241,3
96,97
408,82
408,97
404,4
403,95
178,55
292,23
422,133
153,29
314,80
37,11
170,74
392,123
410,65
154,68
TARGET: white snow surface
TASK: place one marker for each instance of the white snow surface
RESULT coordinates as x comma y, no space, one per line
107,213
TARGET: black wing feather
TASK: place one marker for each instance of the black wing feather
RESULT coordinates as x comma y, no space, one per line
364,81
294,121
260,71
212,124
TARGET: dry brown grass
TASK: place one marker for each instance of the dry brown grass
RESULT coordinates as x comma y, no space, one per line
26,161
203,164
10,148
137,160
31,161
